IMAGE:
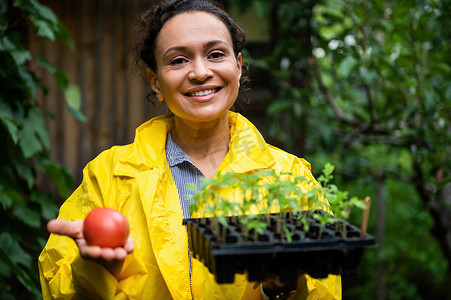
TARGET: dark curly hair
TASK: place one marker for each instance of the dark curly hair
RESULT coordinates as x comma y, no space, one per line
152,20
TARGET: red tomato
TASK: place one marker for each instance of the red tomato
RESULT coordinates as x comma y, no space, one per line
105,227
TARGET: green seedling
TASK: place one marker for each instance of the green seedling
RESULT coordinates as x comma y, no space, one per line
267,192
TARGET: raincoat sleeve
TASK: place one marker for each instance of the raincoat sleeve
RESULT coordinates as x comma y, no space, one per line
63,273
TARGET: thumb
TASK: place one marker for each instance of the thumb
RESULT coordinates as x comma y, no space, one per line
71,229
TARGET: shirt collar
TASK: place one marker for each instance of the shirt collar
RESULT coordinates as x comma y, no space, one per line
175,155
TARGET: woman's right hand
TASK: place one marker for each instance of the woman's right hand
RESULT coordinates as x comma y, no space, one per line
74,229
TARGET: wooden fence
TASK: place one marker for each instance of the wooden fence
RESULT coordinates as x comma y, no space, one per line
114,100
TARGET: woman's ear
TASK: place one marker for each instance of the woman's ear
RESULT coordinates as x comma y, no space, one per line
239,61
153,80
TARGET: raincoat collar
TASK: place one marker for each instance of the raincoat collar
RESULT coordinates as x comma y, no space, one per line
248,150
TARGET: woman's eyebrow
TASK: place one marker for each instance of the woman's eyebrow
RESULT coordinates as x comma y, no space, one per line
175,48
214,43
184,48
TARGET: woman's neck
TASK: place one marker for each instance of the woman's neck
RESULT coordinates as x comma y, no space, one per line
206,144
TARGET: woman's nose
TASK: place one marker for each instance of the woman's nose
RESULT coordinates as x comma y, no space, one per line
200,70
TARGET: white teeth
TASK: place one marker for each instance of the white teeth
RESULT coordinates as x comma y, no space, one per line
203,93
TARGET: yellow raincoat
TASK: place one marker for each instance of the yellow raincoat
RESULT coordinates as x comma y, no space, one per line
136,180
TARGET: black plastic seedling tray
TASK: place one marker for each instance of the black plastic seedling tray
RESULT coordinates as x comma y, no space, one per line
269,255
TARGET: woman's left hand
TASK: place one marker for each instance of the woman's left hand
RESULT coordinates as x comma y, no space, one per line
274,286
74,229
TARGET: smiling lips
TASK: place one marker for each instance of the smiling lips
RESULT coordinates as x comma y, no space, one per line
203,93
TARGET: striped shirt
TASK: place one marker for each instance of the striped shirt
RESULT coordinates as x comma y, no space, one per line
184,171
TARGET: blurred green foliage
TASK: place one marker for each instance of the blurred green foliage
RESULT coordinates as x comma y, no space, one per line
365,85
25,144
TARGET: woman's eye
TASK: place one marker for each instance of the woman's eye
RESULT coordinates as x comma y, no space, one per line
177,61
216,55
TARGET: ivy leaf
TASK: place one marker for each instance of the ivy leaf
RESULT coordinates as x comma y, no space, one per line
44,62
73,96
33,136
5,201
46,23
71,93
11,254
78,115
37,10
44,29
59,175
16,253
49,209
9,122
10,197
62,81
41,242
57,28
28,216
6,44
24,170
21,56
44,12
30,83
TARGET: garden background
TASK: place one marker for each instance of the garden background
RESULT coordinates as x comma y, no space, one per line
364,85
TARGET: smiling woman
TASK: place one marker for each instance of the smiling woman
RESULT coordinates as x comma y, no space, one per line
192,52
197,74
194,57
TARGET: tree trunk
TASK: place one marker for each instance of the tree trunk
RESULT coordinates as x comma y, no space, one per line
440,209
439,205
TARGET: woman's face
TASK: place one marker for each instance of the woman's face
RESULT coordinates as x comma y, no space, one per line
197,72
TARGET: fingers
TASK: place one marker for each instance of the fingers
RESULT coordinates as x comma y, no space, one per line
105,254
88,252
120,253
73,229
129,245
